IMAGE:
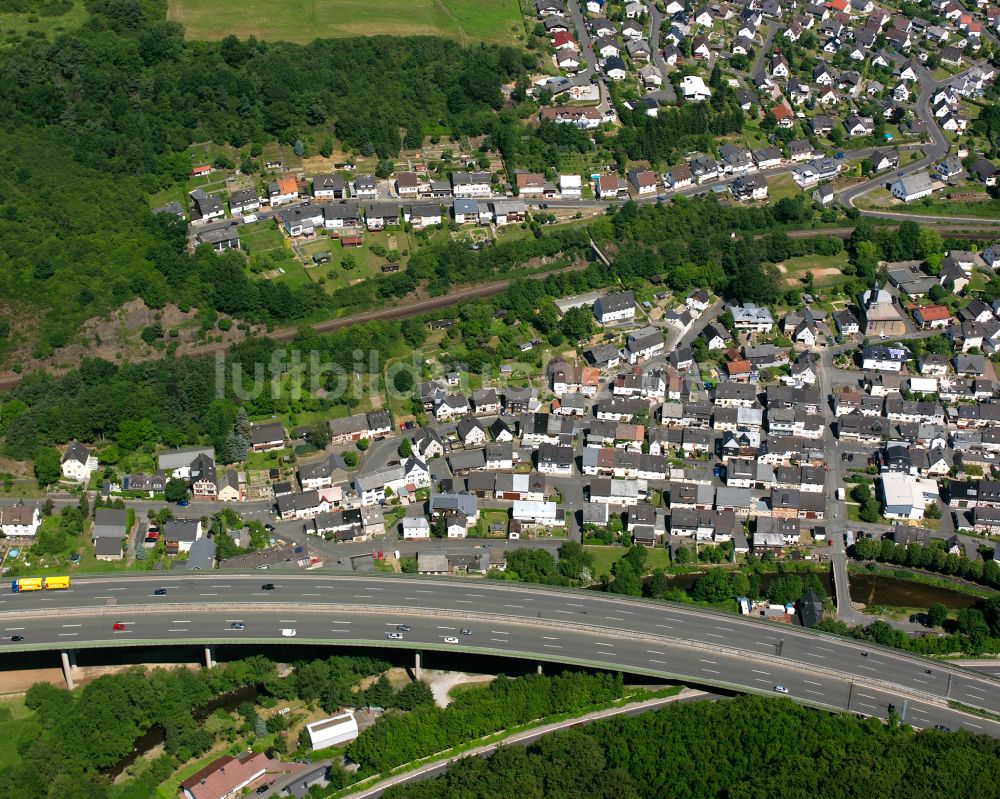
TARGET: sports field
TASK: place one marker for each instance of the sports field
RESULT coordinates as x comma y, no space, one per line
305,20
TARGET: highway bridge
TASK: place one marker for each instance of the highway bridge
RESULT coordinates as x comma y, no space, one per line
512,620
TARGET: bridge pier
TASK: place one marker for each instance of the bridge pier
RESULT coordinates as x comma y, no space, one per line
416,665
538,668
209,657
67,667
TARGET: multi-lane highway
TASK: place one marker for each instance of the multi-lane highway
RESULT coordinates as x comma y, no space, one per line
600,630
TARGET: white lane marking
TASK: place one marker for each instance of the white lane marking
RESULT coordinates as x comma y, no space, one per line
917,679
499,632
601,643
552,646
715,635
761,679
207,594
463,601
177,630
410,598
312,595
339,621
362,596
865,704
475,595
550,637
970,724
608,654
372,588
221,586
446,628
422,591
763,643
72,625
117,589
622,610
665,626
726,629
614,618
116,632
568,612
8,629
63,635
814,655
574,604
655,652
826,649
758,671
818,693
181,621
708,661
259,593
811,682
973,688
339,631
868,696
501,640
710,671
513,606
102,597
867,668
662,662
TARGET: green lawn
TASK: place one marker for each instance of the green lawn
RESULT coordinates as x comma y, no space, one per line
15,721
16,25
305,20
604,557
795,268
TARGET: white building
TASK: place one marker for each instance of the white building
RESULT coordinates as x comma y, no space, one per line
570,185
416,528
20,521
78,463
694,88
335,730
912,187
903,497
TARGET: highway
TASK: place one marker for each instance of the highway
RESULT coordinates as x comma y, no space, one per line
666,640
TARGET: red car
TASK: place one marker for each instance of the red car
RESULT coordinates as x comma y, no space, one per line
117,626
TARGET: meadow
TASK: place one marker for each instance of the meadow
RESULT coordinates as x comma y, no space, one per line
304,20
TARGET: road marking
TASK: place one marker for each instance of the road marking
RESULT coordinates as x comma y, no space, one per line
655,652
410,598
826,649
970,724
221,586
339,621
339,631
63,635
917,679
474,594
726,629
715,635
574,604
102,597
446,628
513,606
499,632
665,626
8,629
868,696
865,704
818,693
761,679
312,595
570,612
867,668
207,594
814,655
116,632
362,596
286,621
601,643
72,625
177,630
710,671
662,662
552,646
372,588
973,688
708,661
758,671
811,682
763,643
614,618
463,601
609,654
257,593
550,637
622,610
117,589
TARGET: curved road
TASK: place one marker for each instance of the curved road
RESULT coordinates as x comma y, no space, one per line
513,620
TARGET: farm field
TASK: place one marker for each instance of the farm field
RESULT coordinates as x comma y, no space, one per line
304,20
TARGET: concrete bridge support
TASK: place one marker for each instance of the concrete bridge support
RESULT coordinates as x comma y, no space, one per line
209,657
416,665
68,664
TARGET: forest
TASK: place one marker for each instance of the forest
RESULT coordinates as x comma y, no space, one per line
96,120
744,748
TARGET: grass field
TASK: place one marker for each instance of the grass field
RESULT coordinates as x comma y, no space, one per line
305,20
826,269
15,721
604,557
17,25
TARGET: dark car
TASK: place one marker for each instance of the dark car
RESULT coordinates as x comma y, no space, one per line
160,592
267,587
16,638
404,628
269,528
263,789
942,728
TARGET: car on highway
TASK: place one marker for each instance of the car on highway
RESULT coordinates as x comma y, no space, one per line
781,689
465,631
450,639
160,592
267,587
14,639
118,626
942,728
403,628
183,503
237,625
394,636
288,632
